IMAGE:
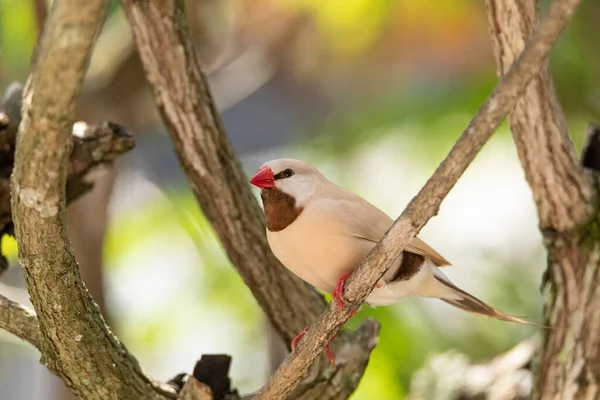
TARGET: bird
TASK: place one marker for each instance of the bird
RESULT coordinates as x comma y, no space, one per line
321,232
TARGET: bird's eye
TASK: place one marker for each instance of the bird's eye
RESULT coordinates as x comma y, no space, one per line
287,173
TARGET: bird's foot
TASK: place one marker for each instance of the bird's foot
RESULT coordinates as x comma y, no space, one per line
297,338
338,293
328,352
351,315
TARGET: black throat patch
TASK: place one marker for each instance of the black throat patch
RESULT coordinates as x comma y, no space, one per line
280,209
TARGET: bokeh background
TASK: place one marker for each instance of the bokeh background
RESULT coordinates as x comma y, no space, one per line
373,92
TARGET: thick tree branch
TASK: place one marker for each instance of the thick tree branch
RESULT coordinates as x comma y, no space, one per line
569,362
426,203
213,170
222,190
75,342
560,189
19,320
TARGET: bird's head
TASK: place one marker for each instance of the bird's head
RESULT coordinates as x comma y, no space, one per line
295,178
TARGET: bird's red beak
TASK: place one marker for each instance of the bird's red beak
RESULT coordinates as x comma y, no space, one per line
263,178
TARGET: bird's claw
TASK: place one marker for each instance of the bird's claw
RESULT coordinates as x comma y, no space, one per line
297,338
338,293
352,314
328,352
329,355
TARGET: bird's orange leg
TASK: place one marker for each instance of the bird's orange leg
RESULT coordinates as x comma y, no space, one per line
338,293
297,338
328,351
352,315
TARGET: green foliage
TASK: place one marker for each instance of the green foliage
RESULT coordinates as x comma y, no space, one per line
17,36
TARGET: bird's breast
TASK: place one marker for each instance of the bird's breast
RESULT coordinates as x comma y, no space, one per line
317,251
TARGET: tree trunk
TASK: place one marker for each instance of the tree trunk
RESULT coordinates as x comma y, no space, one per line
568,365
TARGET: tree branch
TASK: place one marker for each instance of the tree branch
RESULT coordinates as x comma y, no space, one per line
19,320
426,203
221,189
75,342
569,361
560,189
94,148
213,170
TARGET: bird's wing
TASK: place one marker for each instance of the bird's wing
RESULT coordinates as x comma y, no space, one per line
418,246
368,222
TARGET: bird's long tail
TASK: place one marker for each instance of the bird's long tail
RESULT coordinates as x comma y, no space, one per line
465,301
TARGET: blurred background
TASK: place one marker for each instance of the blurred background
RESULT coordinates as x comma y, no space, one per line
373,92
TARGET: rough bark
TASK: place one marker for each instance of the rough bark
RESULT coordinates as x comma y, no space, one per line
87,220
427,202
222,191
568,365
75,342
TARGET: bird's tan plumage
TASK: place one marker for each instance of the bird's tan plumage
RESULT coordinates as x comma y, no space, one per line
320,232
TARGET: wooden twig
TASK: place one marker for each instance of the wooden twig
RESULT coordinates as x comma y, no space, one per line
20,321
